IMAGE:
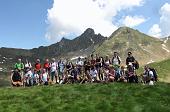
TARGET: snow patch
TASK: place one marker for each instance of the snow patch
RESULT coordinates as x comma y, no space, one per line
92,40
86,49
74,58
151,61
1,69
164,47
146,50
165,41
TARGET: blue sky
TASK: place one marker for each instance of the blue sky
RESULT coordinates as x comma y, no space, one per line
29,23
22,23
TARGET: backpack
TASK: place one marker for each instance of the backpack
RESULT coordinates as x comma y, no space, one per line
154,73
137,65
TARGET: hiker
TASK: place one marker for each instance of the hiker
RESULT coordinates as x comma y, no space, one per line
47,65
155,75
79,65
86,65
92,61
69,67
28,65
45,77
28,74
61,68
16,79
38,69
145,76
38,66
131,73
53,70
116,59
20,67
111,75
35,78
93,74
151,76
130,59
123,77
28,77
107,61
74,74
98,67
105,71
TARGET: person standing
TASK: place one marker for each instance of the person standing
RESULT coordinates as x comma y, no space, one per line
116,61
53,70
130,59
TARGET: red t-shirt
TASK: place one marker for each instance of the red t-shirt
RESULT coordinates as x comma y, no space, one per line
37,66
46,65
93,62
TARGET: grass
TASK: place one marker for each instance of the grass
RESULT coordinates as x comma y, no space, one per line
113,97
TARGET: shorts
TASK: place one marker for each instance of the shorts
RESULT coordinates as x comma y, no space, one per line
46,83
53,73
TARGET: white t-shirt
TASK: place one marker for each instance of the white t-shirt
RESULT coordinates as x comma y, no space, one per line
28,65
116,61
93,73
29,74
79,63
107,62
45,77
53,67
151,74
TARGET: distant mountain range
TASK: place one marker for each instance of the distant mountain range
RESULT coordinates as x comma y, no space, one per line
146,49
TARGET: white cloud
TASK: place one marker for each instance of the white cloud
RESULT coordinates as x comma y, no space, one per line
165,19
162,29
155,31
74,16
132,21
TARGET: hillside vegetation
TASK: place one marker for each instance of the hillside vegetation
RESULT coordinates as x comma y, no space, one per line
144,47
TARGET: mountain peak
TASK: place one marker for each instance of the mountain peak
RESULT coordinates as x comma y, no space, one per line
124,30
89,31
64,39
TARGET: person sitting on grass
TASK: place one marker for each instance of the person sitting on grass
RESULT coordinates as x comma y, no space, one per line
35,78
45,77
111,75
16,79
123,77
131,73
93,74
28,77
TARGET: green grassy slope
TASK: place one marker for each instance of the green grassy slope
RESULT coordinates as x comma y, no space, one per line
115,97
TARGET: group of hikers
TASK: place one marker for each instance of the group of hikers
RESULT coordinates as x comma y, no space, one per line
88,70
